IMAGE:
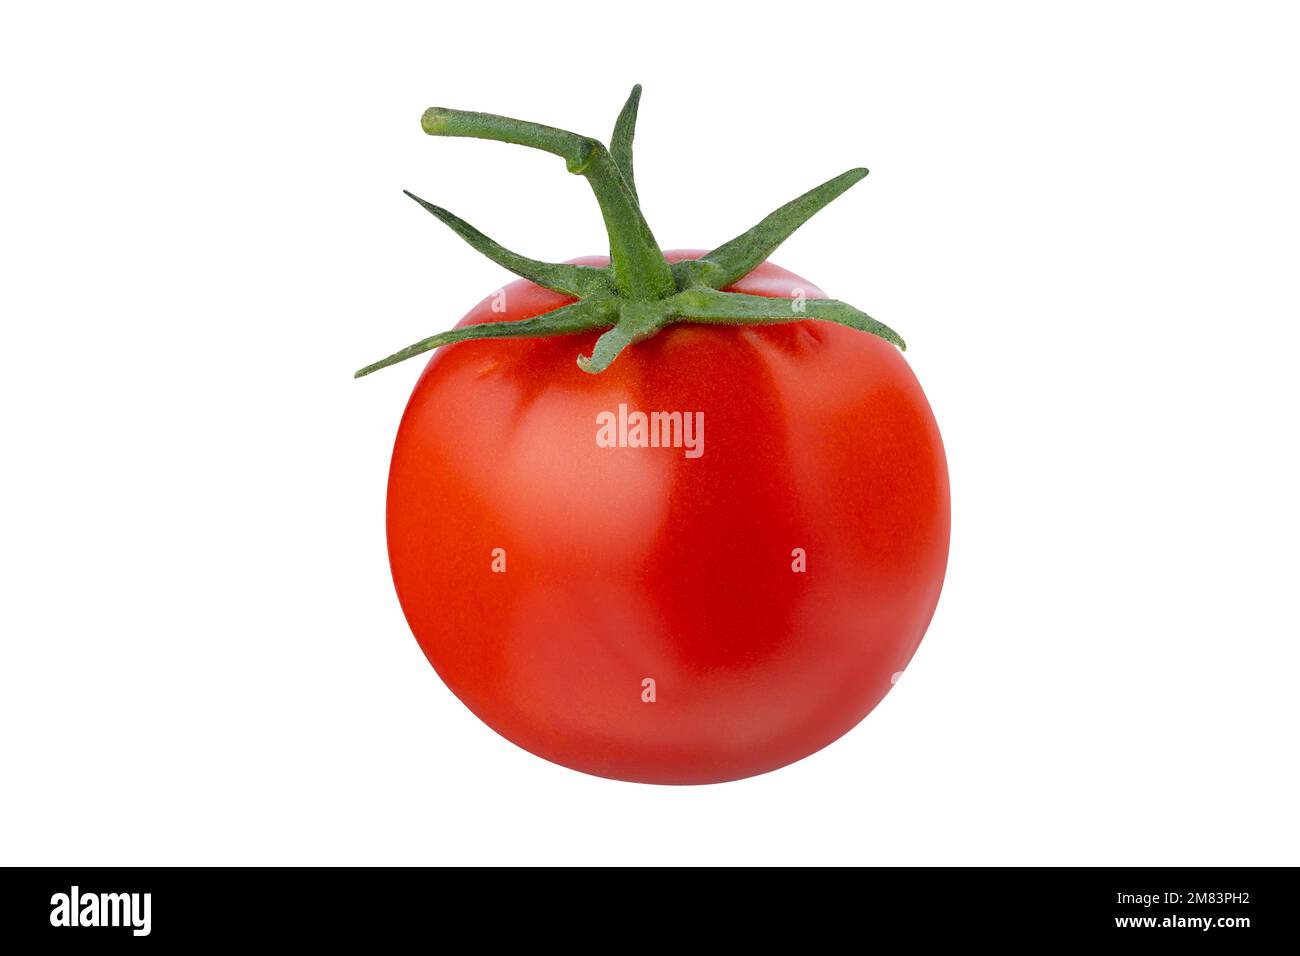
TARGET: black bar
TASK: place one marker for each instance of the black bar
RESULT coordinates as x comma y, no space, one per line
1172,906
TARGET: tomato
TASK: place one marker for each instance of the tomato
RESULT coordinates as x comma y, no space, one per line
648,614
703,550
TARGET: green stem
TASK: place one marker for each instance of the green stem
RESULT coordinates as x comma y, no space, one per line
570,147
639,268
639,292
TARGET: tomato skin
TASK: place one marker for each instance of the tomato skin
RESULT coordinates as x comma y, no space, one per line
630,563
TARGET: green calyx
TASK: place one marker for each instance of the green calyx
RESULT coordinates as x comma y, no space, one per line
639,292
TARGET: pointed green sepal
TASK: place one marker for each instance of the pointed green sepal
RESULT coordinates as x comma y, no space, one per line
637,321
577,281
620,144
608,347
734,260
735,308
583,316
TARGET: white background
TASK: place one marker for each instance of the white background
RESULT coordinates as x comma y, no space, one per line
1083,219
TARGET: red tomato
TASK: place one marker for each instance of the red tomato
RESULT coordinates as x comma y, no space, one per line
652,622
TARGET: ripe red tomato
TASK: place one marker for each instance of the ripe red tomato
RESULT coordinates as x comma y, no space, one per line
636,613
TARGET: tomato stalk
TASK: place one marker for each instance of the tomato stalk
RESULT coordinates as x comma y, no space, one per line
639,268
639,292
